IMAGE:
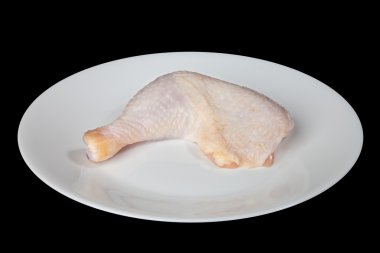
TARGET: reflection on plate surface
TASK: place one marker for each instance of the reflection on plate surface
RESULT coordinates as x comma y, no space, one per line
171,180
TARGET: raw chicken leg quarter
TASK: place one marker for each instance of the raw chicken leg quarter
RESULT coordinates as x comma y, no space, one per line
233,125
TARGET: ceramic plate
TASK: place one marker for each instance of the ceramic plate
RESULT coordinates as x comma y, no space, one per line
172,180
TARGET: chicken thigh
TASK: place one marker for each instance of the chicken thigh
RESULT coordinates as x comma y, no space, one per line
233,125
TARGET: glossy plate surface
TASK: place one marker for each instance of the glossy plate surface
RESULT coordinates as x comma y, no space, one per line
172,180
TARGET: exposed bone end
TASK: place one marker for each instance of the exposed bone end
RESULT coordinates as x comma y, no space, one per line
100,147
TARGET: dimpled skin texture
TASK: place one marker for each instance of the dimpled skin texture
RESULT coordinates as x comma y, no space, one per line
233,125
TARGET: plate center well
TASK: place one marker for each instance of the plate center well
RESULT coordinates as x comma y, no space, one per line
173,168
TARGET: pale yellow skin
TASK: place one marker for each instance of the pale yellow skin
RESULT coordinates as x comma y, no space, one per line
233,125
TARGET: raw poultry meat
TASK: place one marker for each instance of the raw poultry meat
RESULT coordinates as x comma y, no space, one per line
233,125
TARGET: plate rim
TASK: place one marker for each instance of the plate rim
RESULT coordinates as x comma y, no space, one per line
82,200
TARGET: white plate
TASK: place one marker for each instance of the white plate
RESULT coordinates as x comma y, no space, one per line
172,180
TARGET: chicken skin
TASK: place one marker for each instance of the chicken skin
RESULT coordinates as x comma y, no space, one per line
233,125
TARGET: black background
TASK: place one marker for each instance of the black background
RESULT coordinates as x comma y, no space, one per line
334,53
